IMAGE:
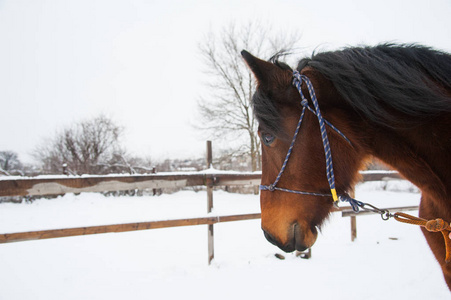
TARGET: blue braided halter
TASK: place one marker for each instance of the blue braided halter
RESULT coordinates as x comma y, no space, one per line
297,82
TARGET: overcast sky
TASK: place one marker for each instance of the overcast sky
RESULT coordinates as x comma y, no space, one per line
136,61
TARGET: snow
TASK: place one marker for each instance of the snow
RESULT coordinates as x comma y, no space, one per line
388,260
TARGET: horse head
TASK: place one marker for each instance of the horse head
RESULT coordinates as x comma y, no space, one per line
291,220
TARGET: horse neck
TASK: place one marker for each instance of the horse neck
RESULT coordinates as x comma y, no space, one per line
421,154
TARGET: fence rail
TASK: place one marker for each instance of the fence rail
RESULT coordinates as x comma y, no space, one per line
57,233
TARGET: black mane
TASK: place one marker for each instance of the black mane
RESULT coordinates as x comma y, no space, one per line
380,83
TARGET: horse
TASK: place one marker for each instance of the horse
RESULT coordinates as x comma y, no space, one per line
389,101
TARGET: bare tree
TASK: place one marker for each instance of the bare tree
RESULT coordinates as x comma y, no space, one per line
87,147
227,110
10,163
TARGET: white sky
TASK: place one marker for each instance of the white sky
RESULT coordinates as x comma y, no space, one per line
137,61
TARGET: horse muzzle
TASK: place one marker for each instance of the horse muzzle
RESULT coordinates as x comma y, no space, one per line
297,239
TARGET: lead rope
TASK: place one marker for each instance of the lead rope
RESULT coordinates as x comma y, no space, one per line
437,225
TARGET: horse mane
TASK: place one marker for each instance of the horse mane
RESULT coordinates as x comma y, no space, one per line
387,80
381,83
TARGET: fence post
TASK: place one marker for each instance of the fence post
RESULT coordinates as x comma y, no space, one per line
211,251
154,171
353,228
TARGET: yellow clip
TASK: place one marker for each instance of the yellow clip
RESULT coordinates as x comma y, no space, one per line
334,195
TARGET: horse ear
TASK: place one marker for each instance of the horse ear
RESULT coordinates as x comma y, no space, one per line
265,72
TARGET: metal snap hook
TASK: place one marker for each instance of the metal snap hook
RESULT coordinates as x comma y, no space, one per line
385,215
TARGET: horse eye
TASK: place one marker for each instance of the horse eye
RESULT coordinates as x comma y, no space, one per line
267,138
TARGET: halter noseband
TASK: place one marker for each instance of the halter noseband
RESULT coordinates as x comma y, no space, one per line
297,82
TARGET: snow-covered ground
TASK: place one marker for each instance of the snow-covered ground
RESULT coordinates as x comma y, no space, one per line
388,260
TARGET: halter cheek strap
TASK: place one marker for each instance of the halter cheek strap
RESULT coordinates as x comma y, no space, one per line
297,82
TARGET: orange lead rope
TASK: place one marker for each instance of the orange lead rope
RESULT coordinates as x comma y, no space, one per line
431,226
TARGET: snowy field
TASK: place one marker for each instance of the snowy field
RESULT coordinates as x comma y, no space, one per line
388,260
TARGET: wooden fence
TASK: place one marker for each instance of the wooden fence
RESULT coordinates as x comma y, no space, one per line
51,185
